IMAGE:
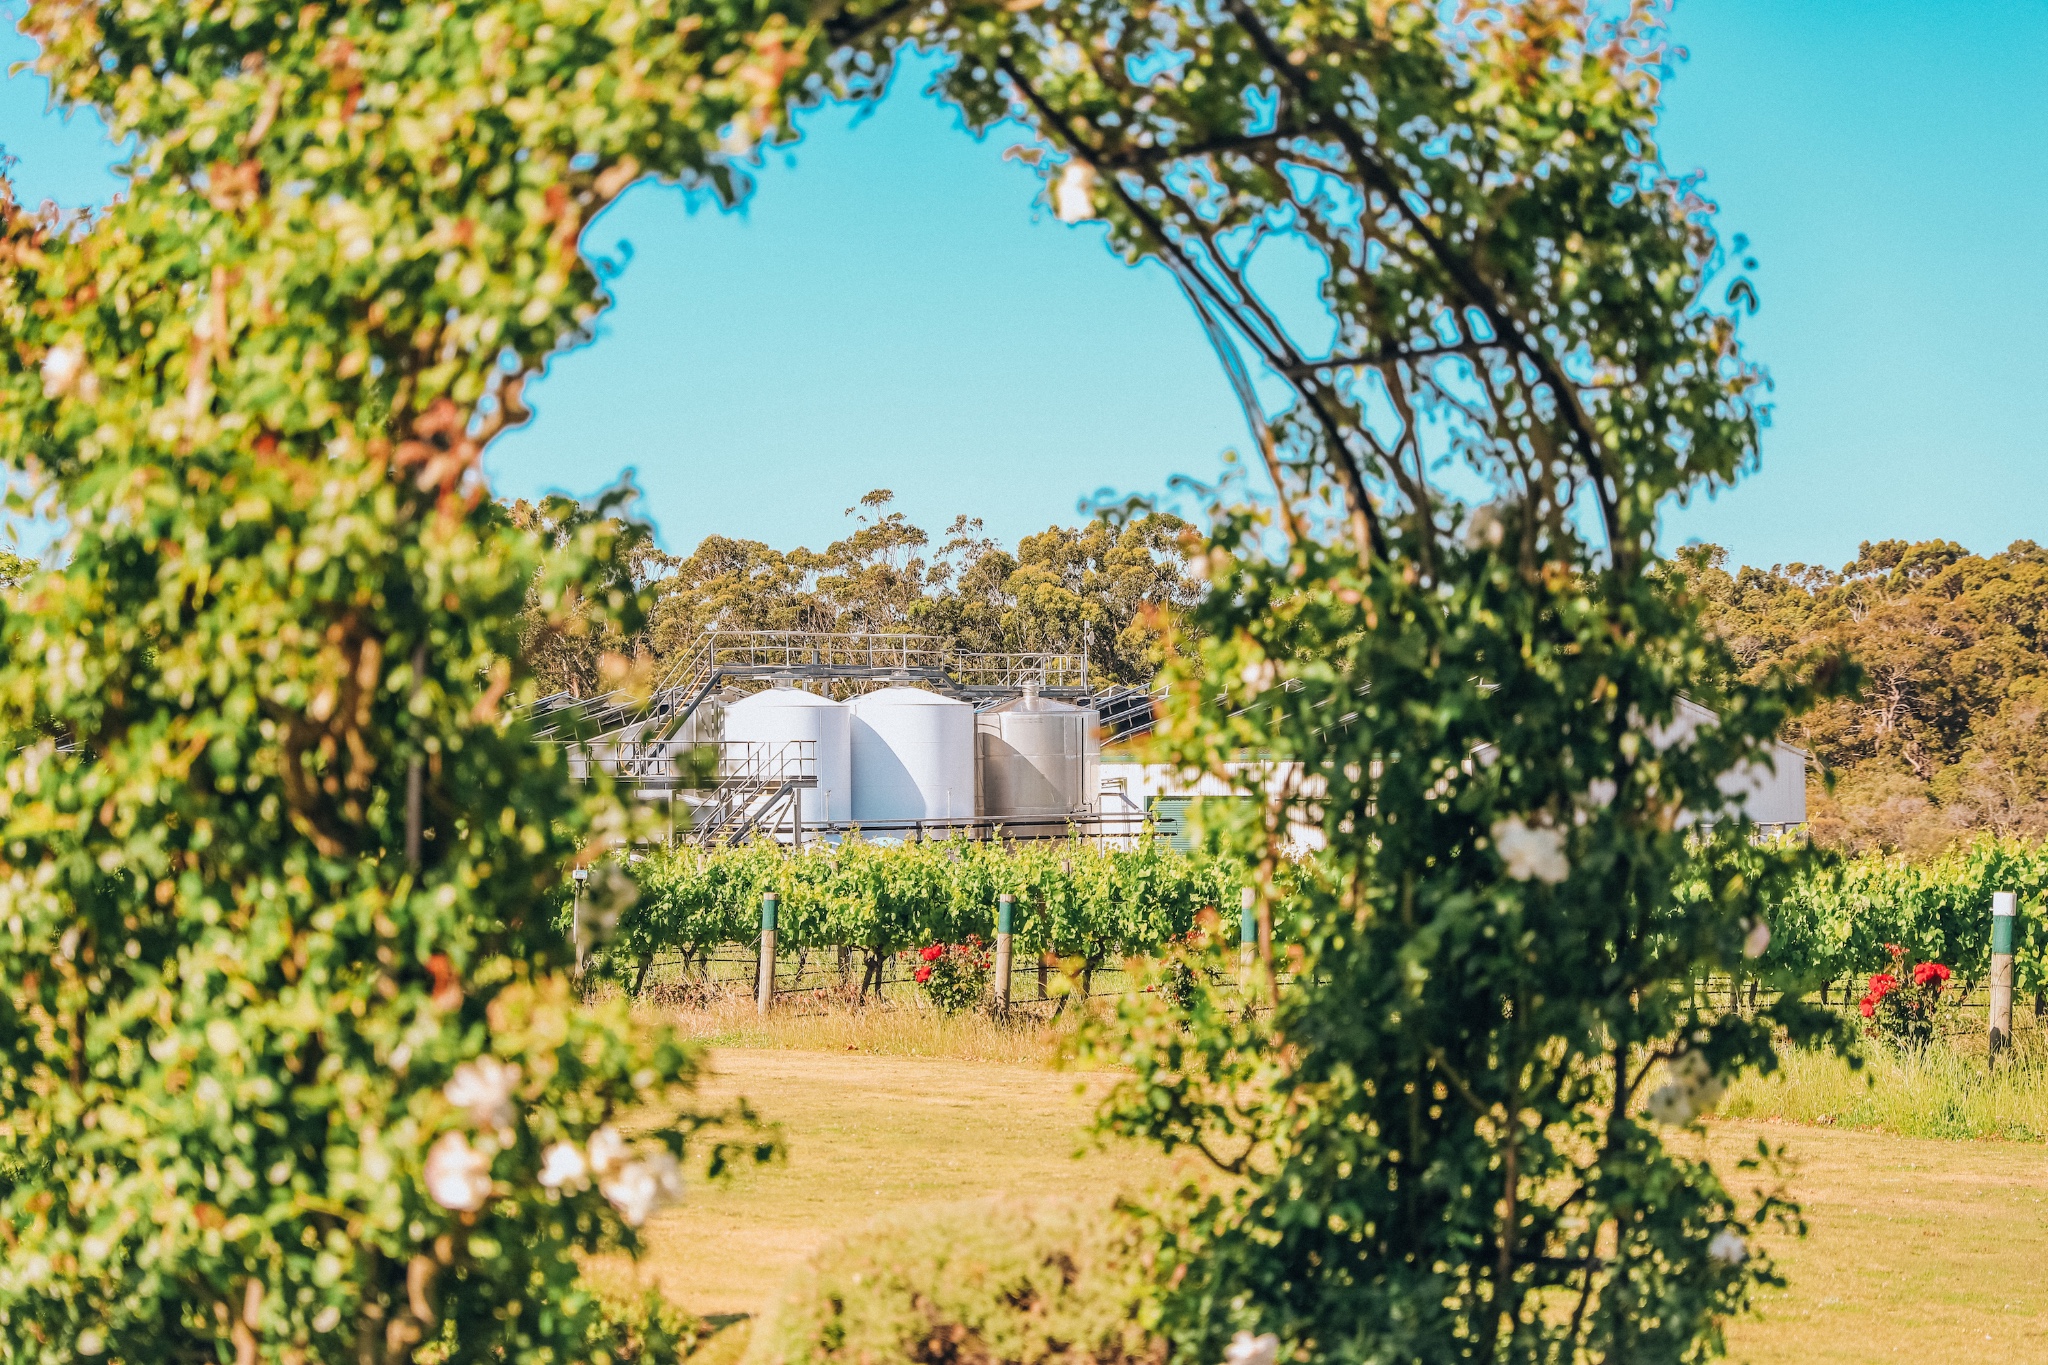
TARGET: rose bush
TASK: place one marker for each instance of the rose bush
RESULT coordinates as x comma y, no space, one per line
955,976
1903,1005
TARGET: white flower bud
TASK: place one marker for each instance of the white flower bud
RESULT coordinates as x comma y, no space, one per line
65,371
458,1176
1728,1247
1246,1349
1074,199
562,1164
483,1088
607,1150
641,1188
1531,853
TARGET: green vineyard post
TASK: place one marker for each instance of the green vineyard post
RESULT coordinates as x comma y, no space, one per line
1006,924
764,983
1247,926
2004,910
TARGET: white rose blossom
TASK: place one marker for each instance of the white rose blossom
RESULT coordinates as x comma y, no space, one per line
563,1165
1531,853
607,1149
1728,1247
1074,198
643,1187
65,371
1246,1349
1692,1090
483,1088
458,1176
1759,939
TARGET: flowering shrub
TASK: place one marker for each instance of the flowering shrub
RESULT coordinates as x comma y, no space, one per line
955,976
1902,1004
293,1068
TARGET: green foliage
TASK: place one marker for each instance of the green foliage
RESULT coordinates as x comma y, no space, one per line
955,976
1947,738
1108,590
1434,1127
1074,900
1004,1286
285,1044
1840,917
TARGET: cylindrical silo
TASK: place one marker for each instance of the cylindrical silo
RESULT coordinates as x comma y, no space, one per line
913,756
780,714
1038,757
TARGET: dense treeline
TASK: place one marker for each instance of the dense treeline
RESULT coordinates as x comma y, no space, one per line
1100,588
1947,737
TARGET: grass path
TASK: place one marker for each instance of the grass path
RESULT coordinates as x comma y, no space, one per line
1918,1248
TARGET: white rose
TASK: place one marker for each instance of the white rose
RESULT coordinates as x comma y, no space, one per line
1758,940
90,1343
641,1188
1074,199
1246,1349
65,371
1728,1247
562,1164
484,1089
607,1150
458,1176
1258,675
1528,852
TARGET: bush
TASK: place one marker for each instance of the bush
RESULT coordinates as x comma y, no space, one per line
1902,1004
955,976
975,1285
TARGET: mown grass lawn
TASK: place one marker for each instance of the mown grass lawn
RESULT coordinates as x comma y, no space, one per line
1918,1248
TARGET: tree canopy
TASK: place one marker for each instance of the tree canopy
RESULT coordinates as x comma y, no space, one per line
1109,590
1949,735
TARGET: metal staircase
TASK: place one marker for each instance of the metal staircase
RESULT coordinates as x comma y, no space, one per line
733,790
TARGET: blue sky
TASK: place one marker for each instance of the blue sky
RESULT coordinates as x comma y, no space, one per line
890,310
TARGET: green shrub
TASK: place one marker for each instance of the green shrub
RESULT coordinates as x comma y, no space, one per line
971,1285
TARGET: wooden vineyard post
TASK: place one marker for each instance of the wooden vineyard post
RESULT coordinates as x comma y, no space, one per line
764,984
2004,910
1006,924
581,875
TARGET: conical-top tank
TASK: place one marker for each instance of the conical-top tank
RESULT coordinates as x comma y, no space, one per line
780,714
1037,757
913,756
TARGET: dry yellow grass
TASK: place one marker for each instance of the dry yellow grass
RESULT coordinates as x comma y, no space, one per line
892,1030
871,1134
1917,1246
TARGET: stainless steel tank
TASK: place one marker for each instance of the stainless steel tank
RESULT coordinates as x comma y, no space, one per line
1037,757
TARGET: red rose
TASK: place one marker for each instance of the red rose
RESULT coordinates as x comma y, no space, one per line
933,953
1869,1007
924,974
1933,972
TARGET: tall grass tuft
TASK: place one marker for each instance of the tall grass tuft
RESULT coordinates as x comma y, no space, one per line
1940,1091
